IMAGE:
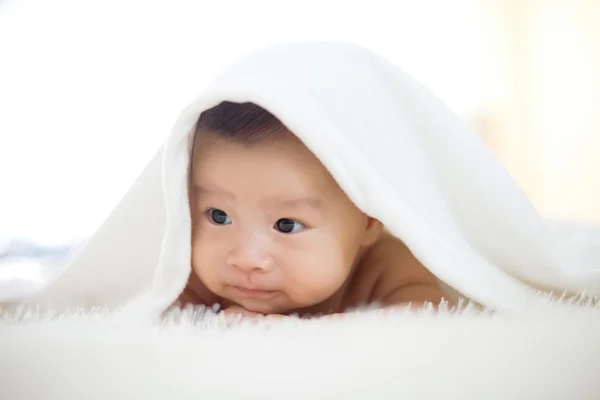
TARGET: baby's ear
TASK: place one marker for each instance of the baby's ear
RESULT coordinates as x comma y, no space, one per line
373,231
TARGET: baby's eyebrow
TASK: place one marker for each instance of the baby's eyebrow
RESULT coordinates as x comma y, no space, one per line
312,202
203,190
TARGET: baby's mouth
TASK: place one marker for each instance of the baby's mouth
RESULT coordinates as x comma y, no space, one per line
254,293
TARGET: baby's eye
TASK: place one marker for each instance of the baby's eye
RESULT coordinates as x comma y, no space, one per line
287,225
218,217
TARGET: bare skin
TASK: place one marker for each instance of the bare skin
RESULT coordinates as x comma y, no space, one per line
273,234
388,274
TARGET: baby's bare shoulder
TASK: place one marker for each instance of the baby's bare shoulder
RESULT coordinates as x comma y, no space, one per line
394,273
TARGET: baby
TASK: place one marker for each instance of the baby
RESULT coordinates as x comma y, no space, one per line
273,233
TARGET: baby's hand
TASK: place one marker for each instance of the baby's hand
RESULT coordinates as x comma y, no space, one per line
234,311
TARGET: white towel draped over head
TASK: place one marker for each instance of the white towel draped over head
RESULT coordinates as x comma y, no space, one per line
398,152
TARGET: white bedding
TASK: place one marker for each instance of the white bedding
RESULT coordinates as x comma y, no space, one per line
553,354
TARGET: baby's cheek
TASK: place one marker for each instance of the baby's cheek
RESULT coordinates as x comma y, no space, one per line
205,265
318,277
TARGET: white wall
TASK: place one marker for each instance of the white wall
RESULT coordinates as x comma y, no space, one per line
542,100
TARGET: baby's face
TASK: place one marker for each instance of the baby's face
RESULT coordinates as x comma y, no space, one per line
272,230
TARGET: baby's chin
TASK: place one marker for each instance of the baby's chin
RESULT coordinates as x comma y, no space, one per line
265,307
278,305
280,302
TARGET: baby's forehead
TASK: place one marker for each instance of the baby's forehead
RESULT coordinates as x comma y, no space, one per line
277,151
280,170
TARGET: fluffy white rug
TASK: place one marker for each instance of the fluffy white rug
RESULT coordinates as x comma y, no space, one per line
552,354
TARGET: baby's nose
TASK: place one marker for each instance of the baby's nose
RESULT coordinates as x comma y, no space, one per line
250,254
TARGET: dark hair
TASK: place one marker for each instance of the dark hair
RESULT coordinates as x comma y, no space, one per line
245,123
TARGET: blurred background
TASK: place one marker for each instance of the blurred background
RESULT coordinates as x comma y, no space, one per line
88,91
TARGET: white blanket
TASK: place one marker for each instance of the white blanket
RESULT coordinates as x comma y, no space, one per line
400,154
